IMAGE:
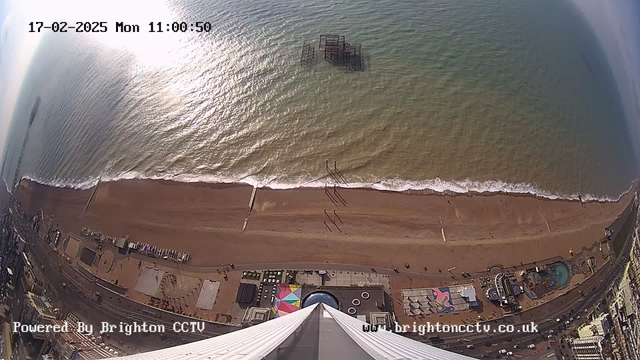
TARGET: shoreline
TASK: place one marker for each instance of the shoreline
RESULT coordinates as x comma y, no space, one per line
372,228
444,188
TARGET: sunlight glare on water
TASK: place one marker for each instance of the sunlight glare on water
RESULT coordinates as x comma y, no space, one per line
484,96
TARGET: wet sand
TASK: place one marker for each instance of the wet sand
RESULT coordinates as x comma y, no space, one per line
372,228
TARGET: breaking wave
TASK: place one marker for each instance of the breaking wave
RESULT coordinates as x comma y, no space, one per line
430,186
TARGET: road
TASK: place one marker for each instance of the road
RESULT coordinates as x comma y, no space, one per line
568,305
114,308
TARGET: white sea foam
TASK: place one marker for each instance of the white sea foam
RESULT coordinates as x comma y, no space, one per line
58,183
434,185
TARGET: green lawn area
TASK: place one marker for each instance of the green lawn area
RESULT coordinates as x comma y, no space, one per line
627,228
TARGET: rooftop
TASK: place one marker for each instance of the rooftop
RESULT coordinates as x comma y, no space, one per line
41,305
361,299
66,343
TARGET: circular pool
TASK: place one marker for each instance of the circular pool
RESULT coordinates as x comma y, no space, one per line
562,274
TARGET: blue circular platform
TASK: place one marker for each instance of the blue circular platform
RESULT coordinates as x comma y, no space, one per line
321,297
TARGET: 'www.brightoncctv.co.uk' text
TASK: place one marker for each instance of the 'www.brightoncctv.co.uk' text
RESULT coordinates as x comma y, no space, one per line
436,328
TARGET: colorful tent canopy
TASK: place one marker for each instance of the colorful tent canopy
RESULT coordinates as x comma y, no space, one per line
286,300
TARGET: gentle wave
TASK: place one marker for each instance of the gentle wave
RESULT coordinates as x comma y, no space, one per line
434,185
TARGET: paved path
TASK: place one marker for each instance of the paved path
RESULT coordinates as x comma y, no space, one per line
80,288
114,307
586,295
407,272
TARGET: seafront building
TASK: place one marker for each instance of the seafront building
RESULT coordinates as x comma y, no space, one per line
74,345
37,311
598,326
589,348
623,307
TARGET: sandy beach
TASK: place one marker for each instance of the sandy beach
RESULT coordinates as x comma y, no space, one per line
368,227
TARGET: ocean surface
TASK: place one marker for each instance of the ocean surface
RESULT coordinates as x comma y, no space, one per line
482,95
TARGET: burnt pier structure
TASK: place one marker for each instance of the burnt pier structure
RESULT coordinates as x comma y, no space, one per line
336,50
308,53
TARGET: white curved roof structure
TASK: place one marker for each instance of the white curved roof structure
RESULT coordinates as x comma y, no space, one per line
317,332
